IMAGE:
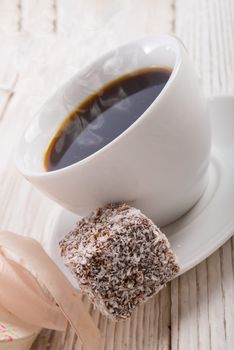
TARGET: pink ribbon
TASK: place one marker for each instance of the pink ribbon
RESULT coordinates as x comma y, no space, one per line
35,292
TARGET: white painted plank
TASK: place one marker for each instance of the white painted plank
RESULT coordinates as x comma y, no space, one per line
4,98
109,23
9,16
6,94
9,70
161,314
216,304
187,320
203,321
227,273
190,324
38,16
175,313
206,27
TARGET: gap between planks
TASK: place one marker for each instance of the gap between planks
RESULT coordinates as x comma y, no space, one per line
7,96
35,17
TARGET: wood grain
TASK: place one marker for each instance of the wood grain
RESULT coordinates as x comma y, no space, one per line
115,20
207,29
203,294
38,16
9,16
196,311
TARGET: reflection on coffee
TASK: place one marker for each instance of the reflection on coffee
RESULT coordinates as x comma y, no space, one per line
104,115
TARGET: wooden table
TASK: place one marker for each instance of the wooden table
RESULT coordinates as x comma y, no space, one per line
42,43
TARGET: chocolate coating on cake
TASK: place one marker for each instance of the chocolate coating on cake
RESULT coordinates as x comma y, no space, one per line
119,258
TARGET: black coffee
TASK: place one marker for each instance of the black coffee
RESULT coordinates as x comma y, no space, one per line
104,115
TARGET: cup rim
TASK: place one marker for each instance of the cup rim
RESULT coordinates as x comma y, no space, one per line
171,41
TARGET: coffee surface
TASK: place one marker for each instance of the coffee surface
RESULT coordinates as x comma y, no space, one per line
104,115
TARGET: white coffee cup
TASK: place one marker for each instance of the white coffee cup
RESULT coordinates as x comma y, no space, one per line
159,164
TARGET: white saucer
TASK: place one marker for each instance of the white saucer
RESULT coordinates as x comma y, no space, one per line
211,221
